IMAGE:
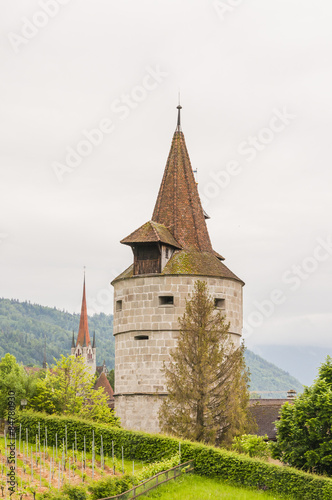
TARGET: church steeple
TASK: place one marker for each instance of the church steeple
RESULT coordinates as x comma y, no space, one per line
83,337
83,346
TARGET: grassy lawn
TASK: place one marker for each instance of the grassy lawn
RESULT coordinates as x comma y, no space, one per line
192,487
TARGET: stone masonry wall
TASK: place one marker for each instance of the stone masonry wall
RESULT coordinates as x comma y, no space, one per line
139,412
139,382
141,309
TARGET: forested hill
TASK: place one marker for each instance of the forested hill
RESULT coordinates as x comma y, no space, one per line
24,326
267,379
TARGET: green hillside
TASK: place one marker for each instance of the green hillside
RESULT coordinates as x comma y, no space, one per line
24,326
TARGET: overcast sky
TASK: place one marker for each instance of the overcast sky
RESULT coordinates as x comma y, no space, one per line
255,78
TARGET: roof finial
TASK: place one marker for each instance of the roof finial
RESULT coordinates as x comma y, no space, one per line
179,107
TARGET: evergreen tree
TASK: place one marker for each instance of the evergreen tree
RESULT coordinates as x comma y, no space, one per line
110,378
207,380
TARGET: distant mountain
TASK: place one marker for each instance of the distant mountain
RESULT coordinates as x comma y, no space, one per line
267,379
302,361
24,326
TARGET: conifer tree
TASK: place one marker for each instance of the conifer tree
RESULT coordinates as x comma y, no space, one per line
207,380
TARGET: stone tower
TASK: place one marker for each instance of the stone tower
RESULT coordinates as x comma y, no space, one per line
171,252
83,346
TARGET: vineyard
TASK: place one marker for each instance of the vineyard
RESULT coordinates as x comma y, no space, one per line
40,468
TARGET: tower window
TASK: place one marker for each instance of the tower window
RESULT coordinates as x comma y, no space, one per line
219,303
118,305
166,300
141,337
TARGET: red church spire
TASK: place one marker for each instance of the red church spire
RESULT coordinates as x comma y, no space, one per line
83,337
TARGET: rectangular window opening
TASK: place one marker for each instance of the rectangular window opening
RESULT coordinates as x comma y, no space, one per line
141,337
219,303
118,305
166,300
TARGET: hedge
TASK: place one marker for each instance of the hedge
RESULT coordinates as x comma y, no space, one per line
137,445
209,461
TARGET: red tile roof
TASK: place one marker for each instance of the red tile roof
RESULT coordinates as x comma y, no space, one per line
83,337
102,381
32,369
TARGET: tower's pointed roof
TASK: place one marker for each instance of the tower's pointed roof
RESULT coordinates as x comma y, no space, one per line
178,220
83,337
178,206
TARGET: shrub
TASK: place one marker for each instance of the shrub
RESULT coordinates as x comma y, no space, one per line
252,445
111,486
75,492
153,469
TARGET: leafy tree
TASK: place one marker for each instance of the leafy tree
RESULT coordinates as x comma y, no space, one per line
207,380
68,389
14,378
304,431
46,399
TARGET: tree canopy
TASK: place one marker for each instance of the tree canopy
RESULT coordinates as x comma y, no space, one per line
68,389
13,377
207,380
304,431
